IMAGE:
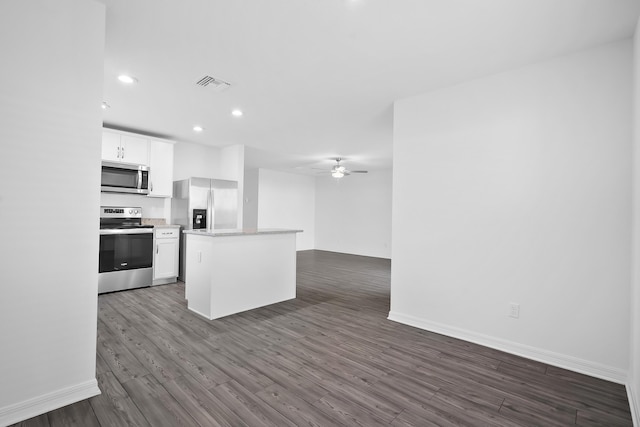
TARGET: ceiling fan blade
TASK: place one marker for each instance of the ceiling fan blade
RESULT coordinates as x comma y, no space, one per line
358,171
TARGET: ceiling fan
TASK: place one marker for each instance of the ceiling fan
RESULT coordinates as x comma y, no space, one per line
338,171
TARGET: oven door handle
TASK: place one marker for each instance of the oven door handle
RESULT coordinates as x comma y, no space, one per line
126,231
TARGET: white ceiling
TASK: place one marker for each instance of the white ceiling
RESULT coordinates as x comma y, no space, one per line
318,78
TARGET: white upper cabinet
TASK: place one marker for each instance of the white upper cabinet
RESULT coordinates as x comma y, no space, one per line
160,168
135,149
119,147
126,147
111,146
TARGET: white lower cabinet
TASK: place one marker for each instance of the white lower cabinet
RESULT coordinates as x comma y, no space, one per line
165,256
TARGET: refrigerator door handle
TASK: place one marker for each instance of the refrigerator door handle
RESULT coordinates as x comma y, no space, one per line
210,210
213,210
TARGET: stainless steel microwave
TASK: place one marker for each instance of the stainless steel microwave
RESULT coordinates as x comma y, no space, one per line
124,178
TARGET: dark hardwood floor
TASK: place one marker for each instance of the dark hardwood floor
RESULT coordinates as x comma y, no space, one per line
329,357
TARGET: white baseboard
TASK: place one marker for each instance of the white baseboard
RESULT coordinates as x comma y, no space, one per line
632,395
48,402
549,357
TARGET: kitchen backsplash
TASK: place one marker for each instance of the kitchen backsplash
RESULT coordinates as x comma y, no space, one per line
152,207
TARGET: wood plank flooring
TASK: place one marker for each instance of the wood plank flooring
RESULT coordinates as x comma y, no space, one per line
328,358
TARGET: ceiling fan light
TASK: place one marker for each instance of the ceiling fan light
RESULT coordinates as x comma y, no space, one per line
337,173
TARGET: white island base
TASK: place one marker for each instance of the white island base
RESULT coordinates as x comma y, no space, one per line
230,271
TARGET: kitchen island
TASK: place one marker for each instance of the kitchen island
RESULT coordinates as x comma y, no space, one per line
230,271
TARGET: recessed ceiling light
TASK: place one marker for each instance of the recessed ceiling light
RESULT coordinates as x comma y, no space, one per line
237,112
105,105
127,79
198,128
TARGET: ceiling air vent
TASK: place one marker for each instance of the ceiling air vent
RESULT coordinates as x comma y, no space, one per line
211,82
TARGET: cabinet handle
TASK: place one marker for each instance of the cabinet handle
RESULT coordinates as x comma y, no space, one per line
123,152
118,153
151,186
157,248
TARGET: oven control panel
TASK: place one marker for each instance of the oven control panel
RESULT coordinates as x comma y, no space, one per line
120,212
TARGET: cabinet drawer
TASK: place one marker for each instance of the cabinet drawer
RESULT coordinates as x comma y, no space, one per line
167,233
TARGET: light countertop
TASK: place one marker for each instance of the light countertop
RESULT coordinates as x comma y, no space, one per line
240,231
154,221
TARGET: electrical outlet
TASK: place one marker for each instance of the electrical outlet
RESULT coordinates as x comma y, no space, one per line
514,310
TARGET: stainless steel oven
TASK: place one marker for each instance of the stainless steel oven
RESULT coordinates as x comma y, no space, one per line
126,249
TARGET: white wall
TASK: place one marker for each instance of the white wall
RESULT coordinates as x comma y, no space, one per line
350,216
50,131
633,384
195,160
353,214
250,211
516,188
287,200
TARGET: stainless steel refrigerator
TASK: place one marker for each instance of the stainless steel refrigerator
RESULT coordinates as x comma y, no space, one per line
203,203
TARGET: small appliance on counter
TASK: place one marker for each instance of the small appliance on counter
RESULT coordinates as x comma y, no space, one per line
126,249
